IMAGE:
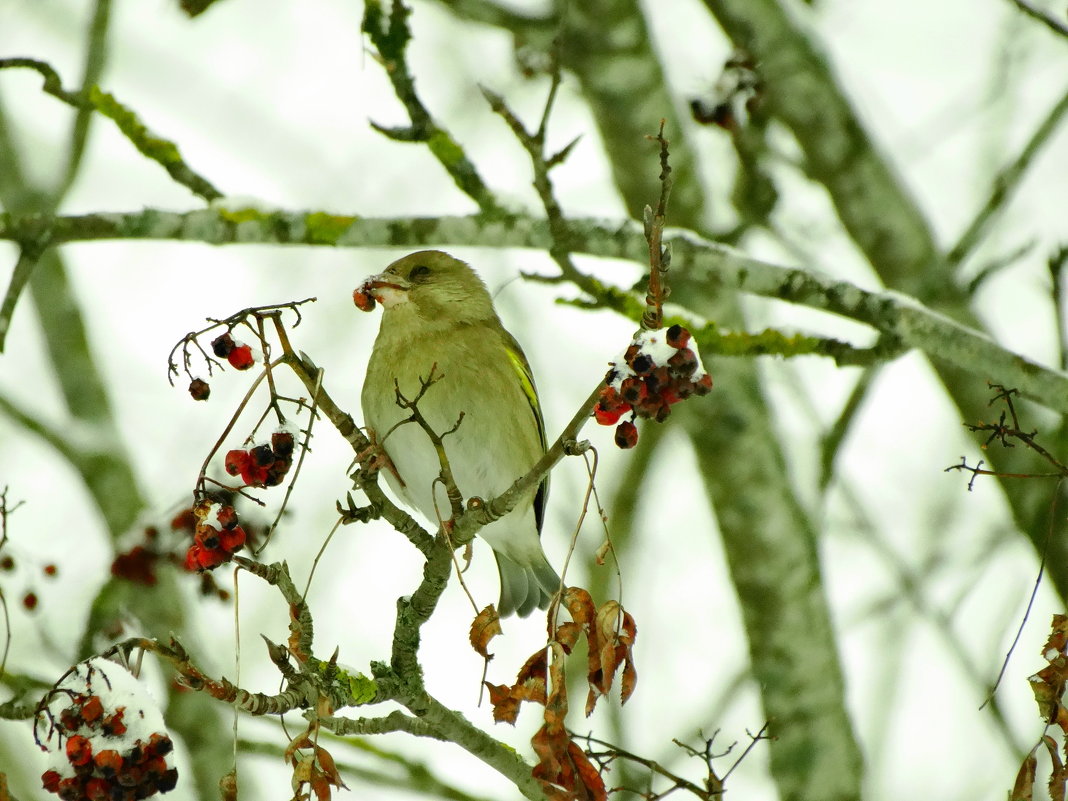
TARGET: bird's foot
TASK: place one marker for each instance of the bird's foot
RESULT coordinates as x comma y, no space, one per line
374,458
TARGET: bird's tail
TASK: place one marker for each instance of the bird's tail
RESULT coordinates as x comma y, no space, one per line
524,589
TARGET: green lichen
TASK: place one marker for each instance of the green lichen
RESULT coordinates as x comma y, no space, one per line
162,150
243,215
445,148
362,688
326,229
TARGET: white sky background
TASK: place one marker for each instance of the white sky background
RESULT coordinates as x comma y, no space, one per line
271,99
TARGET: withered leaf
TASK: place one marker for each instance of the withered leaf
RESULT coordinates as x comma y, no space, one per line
1059,775
505,705
1023,789
578,602
485,626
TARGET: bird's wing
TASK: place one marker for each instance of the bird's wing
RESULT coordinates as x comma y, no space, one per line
521,367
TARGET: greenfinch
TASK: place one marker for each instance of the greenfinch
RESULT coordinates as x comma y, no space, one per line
438,317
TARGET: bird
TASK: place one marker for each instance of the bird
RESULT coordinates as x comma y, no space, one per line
438,317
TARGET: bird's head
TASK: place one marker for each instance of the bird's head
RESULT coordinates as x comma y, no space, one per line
434,286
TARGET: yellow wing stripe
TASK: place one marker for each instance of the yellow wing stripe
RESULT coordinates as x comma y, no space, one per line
526,381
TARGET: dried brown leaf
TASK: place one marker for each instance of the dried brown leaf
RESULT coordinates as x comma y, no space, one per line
485,626
1059,775
578,602
326,762
1023,789
505,705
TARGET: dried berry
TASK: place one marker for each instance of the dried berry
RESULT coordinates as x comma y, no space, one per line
677,336
642,364
282,444
222,345
683,363
262,456
199,389
633,390
626,435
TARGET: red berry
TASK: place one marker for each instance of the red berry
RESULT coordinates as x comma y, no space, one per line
70,718
92,709
236,461
233,539
253,475
226,516
703,385
633,390
199,389
29,600
50,570
71,789
677,336
626,435
159,744
50,781
209,558
109,761
79,751
192,558
113,724
683,362
241,357
7,563
98,789
222,345
184,520
363,300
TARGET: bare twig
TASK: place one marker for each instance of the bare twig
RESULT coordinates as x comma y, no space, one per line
1050,21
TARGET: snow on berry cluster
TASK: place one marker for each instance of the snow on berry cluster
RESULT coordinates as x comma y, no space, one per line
658,369
217,536
240,355
105,737
263,465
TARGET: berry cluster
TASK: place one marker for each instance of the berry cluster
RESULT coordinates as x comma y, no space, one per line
658,370
263,465
217,538
115,745
237,353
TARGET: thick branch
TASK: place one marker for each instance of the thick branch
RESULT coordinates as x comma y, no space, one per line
714,267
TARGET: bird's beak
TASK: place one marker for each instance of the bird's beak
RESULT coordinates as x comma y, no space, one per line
389,290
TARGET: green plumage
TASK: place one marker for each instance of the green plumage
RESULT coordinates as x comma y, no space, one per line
438,316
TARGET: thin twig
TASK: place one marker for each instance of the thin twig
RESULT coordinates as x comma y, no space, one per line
1031,600
1050,21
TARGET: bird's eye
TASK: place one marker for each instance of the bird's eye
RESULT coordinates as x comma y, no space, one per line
419,272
